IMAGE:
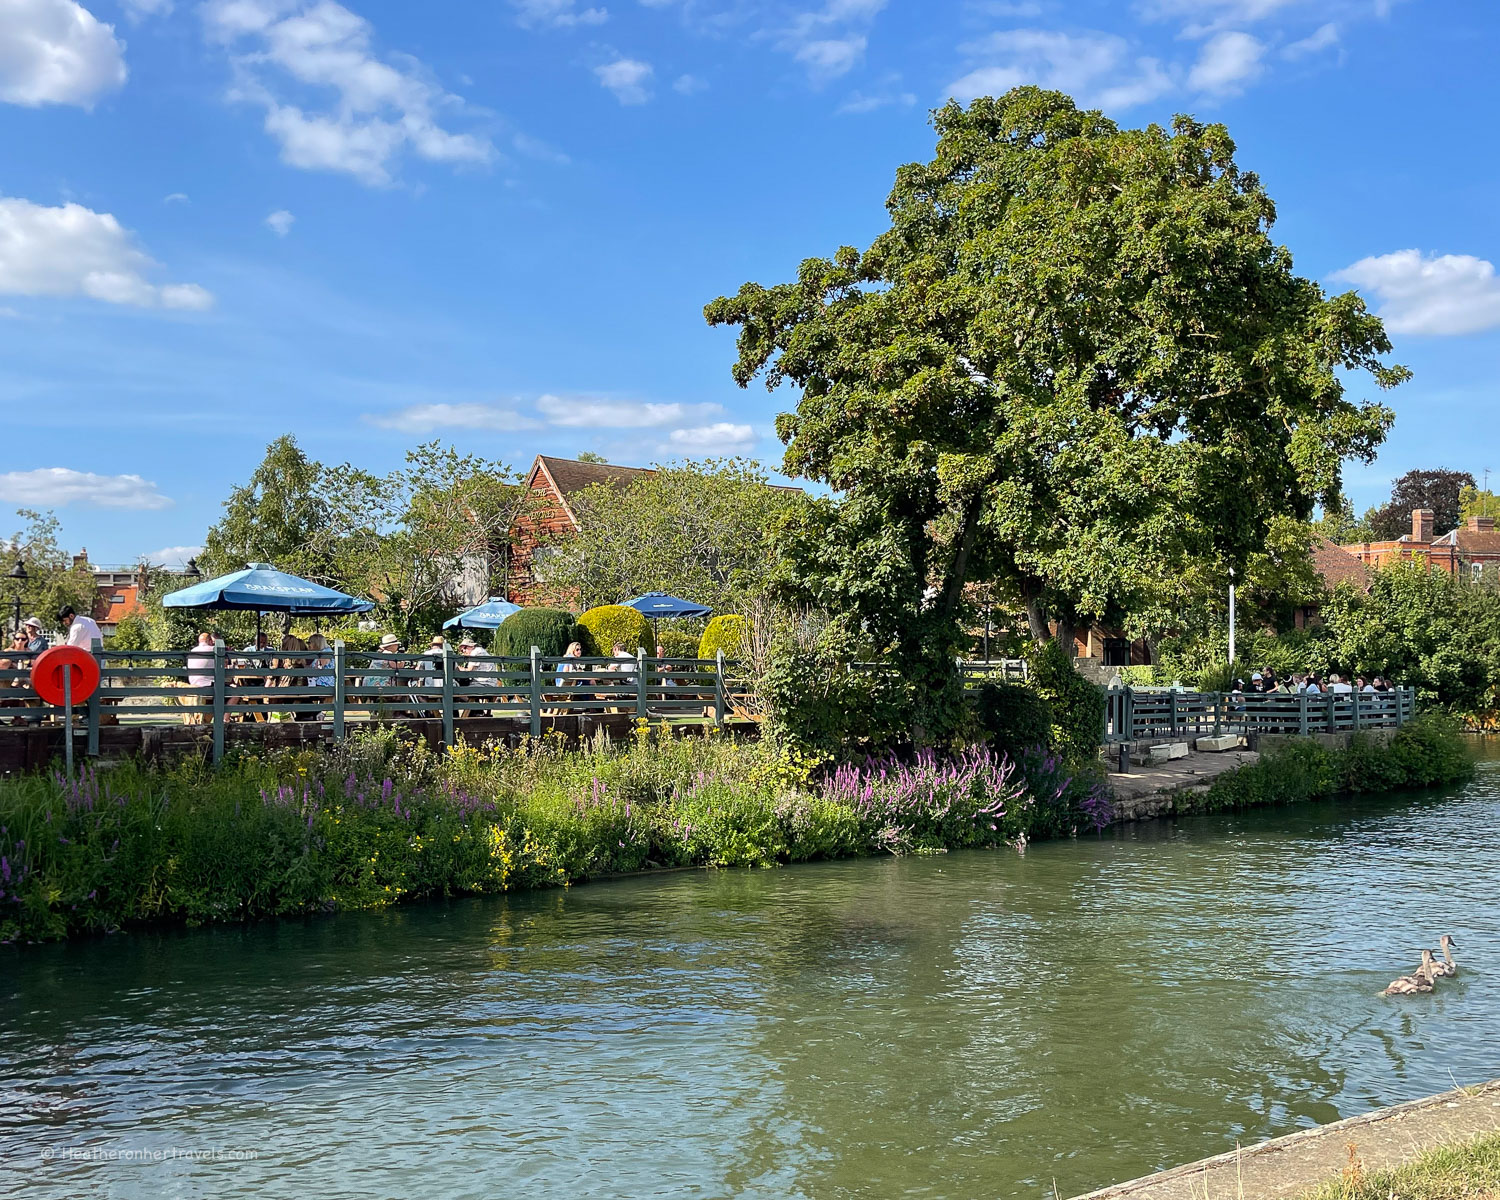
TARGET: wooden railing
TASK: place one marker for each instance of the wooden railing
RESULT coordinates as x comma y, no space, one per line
214,686
1135,714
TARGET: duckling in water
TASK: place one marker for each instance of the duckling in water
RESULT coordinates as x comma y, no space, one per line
1419,980
1447,966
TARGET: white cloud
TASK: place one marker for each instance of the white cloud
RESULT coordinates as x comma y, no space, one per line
1211,16
425,418
57,487
886,92
377,110
280,222
56,52
560,14
140,9
173,558
1227,62
1095,68
1319,39
688,85
627,78
1440,295
73,251
830,41
175,198
722,437
585,411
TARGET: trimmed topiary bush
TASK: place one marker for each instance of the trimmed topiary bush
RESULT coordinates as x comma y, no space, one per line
611,623
677,644
550,629
726,633
1015,718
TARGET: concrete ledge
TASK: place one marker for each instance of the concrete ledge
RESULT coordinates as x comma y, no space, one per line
1217,745
1288,1166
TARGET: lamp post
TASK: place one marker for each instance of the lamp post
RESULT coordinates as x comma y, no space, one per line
1231,616
192,571
17,576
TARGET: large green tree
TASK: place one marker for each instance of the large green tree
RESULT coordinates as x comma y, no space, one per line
52,578
1076,364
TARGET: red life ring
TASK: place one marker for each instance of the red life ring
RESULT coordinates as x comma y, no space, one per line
47,673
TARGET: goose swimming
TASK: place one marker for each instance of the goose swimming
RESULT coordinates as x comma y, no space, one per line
1420,980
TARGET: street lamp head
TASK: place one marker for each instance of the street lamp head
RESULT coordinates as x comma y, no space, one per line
192,569
17,572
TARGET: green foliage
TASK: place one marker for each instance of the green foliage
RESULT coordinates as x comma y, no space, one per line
677,643
701,530
1476,502
1014,716
132,632
610,623
1427,752
52,578
549,629
1055,372
1424,628
726,633
1469,1170
1077,705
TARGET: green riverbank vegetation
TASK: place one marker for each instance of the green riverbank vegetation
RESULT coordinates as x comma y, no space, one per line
1428,752
380,820
1469,1171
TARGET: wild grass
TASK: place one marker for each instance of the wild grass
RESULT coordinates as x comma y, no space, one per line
1470,1171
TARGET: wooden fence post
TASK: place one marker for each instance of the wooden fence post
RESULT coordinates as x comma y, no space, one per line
1218,713
447,694
340,695
536,692
97,649
1302,713
641,709
719,689
1354,699
1173,702
218,700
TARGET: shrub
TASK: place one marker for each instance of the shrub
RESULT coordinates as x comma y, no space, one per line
549,629
726,633
1077,705
677,644
1014,717
607,624
816,705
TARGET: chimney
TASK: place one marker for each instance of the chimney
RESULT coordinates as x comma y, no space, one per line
1481,524
81,559
1421,525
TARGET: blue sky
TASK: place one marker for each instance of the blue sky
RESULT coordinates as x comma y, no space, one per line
498,223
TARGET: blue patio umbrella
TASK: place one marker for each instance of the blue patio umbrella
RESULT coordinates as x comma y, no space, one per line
659,604
483,616
262,588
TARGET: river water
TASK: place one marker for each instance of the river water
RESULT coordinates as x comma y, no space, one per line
968,1025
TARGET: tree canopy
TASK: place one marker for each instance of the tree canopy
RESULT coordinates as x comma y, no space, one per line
1076,364
1439,489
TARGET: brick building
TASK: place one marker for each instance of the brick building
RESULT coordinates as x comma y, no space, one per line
1467,550
547,515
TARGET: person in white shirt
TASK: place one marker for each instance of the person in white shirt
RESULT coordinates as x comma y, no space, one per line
82,631
477,664
1336,684
200,677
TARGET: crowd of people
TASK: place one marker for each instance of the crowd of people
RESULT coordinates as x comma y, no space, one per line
1311,683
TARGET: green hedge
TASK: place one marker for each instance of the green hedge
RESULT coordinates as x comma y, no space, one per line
611,623
1077,705
677,644
726,633
549,629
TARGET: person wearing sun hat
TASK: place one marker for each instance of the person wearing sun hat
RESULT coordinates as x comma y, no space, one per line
36,640
477,665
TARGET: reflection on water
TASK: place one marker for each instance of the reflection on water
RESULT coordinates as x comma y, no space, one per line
968,1025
